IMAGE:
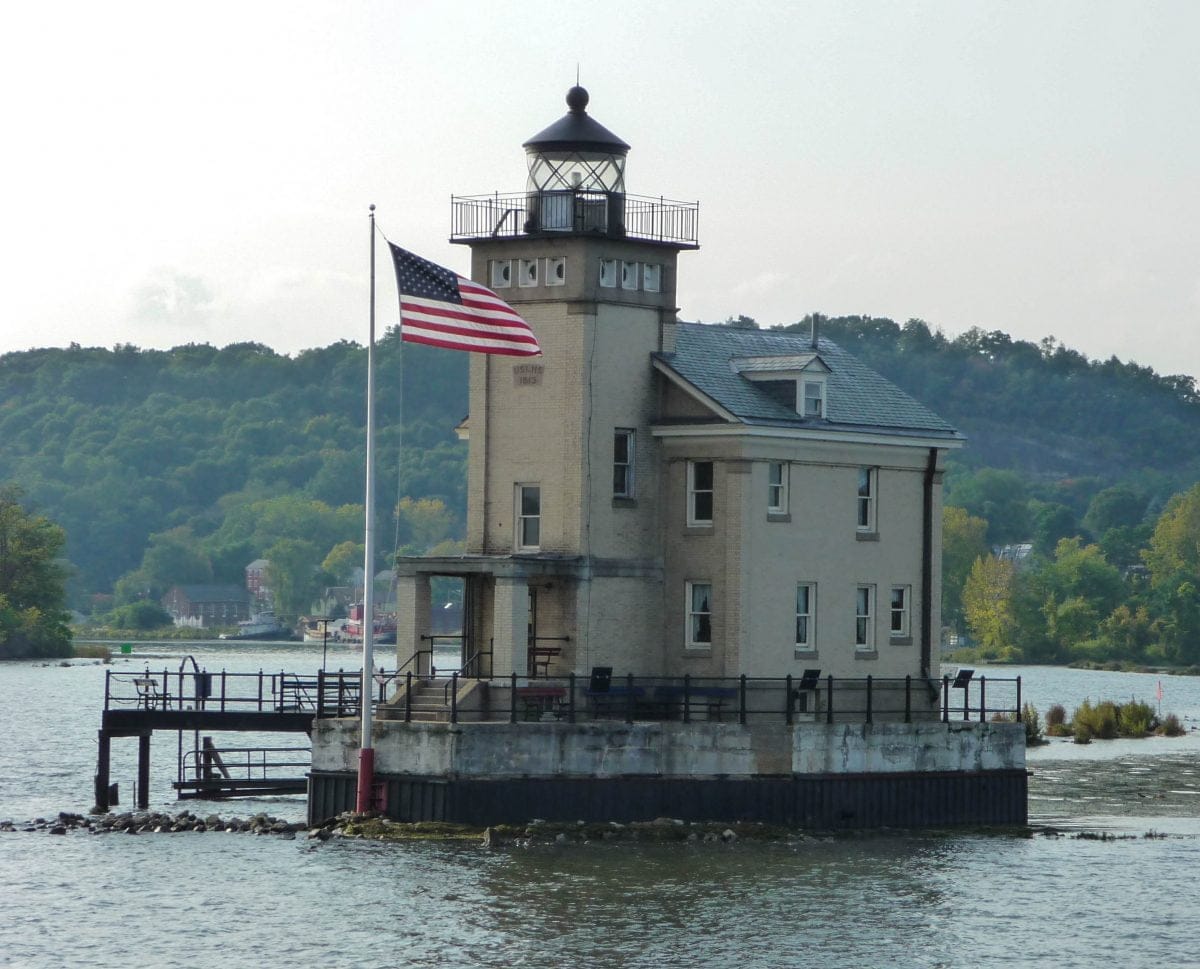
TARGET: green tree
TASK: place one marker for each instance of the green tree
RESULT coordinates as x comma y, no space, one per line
32,591
987,603
1175,543
293,575
964,539
998,497
1115,507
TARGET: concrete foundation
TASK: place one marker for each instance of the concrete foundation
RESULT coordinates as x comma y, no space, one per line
817,775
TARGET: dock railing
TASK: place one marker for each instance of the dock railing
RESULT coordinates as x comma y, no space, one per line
797,698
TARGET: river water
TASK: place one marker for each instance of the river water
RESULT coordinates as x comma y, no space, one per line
895,899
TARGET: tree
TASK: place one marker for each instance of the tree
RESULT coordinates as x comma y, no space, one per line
32,589
293,575
987,603
998,497
964,539
1051,522
1175,544
1115,507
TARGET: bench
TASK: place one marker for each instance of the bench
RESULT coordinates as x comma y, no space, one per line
540,657
614,701
706,699
537,701
148,693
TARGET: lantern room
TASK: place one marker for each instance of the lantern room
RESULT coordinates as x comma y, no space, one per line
576,174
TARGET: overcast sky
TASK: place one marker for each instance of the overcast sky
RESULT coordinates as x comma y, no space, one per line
180,173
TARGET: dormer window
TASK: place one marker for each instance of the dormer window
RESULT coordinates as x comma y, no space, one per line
813,401
799,382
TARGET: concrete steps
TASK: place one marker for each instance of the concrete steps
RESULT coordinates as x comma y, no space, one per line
430,703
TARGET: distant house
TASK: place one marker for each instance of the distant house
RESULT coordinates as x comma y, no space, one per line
256,581
206,606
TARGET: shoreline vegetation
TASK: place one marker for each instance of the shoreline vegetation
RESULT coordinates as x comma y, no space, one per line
1103,720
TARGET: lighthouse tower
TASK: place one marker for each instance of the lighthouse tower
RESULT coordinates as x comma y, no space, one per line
562,569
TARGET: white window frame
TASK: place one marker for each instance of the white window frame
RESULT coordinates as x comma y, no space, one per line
556,270
864,618
629,275
777,487
697,621
900,613
629,436
651,277
817,384
608,273
523,518
527,273
501,274
865,499
694,493
806,617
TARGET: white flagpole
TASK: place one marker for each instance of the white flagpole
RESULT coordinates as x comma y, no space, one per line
366,753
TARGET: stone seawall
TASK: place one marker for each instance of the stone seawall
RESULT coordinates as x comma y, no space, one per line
493,751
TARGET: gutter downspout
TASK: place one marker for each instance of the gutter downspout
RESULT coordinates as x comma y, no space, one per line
927,570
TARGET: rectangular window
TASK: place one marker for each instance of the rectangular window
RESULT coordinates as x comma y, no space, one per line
814,398
699,614
777,487
864,610
629,275
623,463
556,271
608,273
899,626
700,492
651,277
867,479
806,598
529,516
527,272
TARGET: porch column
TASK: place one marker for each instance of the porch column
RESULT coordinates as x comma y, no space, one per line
510,626
412,619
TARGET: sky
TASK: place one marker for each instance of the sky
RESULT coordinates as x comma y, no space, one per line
200,173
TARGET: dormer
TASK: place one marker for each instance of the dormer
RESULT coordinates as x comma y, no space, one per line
799,381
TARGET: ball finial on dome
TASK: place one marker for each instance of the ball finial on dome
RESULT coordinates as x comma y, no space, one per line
577,99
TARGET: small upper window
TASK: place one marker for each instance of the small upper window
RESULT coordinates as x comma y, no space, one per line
556,271
629,275
623,463
700,493
814,398
777,487
501,273
527,272
651,277
867,481
608,273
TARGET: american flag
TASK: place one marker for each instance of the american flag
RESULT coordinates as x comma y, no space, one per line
443,309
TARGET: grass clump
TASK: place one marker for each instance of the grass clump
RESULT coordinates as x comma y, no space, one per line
1171,727
1056,721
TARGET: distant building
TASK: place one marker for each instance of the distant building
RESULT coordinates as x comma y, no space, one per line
256,582
206,606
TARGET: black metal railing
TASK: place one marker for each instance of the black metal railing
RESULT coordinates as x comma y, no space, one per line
601,696
614,214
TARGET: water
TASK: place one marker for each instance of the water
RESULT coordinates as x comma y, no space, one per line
885,900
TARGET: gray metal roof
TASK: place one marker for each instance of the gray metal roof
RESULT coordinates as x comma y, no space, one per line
577,130
857,398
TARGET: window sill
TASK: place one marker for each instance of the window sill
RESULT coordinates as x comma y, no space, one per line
778,516
697,652
620,501
900,640
699,529
805,654
866,536
860,653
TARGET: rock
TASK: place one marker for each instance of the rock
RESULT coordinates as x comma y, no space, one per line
59,829
728,835
560,838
